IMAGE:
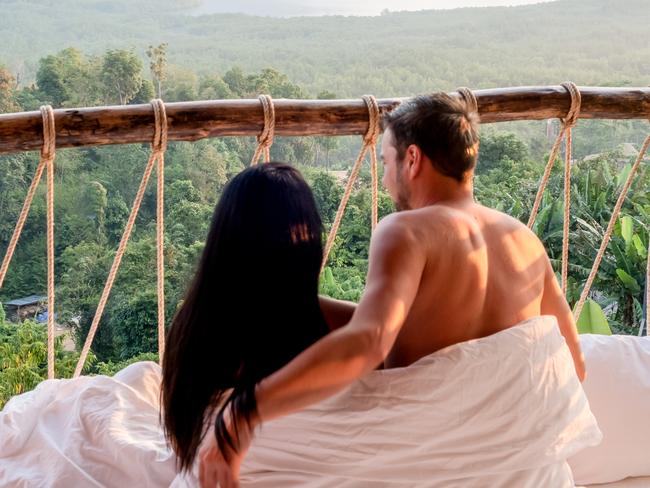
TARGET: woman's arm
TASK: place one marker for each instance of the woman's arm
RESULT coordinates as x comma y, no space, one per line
337,313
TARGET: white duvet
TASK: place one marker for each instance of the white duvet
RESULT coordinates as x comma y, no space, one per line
502,411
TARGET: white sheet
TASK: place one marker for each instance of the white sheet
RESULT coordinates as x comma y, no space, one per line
500,411
88,432
618,388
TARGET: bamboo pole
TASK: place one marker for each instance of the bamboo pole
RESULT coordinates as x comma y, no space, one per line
191,121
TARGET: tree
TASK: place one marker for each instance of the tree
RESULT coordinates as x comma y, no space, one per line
7,91
158,65
94,201
498,147
51,80
23,358
327,193
68,78
327,143
214,88
236,81
271,82
134,324
182,85
121,75
145,94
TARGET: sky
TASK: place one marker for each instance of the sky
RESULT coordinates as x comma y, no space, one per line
289,8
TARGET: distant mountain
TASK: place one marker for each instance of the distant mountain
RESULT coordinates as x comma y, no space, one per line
592,42
296,8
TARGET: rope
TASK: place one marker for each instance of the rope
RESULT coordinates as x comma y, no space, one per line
369,143
469,97
374,128
567,122
265,139
157,153
610,228
48,153
160,146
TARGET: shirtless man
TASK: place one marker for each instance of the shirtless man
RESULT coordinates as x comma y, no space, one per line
442,270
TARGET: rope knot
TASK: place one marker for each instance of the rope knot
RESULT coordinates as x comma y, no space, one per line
470,99
570,119
159,143
265,138
374,120
49,133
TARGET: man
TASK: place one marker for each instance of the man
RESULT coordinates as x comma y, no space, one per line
443,270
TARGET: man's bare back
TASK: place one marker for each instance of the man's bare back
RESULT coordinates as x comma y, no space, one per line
484,272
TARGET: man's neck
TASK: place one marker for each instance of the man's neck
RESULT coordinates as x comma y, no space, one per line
459,194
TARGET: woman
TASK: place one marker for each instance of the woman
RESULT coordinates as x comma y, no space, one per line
252,307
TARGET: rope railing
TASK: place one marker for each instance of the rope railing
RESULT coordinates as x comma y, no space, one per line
369,144
568,122
293,117
48,154
158,149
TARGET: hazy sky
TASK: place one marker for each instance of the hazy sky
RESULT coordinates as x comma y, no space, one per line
284,8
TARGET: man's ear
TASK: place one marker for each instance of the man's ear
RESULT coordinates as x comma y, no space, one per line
414,160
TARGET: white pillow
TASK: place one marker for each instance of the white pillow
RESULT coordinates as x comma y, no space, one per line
618,389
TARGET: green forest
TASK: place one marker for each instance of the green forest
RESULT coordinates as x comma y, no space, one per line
590,42
119,64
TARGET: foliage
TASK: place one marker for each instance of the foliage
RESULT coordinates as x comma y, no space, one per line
157,65
121,75
7,91
23,358
592,320
399,53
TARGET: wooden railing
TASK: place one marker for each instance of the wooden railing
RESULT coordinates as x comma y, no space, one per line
190,121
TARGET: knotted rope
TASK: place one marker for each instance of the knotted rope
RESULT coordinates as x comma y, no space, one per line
610,228
48,153
158,148
265,138
571,117
469,97
369,143
568,122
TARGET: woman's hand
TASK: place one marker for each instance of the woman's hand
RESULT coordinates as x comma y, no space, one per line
221,469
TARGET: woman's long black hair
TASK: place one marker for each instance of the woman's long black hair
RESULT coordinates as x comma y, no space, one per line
251,308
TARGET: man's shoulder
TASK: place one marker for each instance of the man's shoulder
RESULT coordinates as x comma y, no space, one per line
505,224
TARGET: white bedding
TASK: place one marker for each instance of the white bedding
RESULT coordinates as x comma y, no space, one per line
87,432
504,411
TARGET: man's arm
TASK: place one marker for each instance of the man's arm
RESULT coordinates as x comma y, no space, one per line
336,313
396,263
395,267
554,303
